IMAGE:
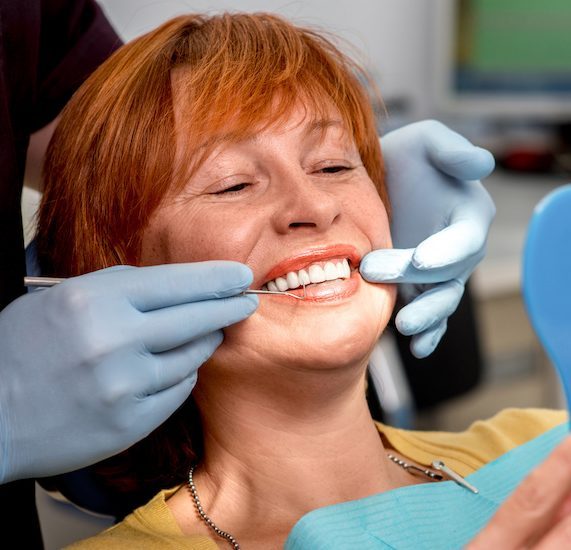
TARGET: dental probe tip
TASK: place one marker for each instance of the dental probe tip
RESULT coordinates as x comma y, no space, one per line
276,292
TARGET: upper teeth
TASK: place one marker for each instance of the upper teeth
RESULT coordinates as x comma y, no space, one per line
336,269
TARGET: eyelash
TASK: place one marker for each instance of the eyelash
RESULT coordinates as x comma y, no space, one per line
334,169
233,189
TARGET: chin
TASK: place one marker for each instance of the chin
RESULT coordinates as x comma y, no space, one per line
318,337
346,337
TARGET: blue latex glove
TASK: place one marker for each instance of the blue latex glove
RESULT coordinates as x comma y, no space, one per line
440,223
94,364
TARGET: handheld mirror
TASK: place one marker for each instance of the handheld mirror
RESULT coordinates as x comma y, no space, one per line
546,279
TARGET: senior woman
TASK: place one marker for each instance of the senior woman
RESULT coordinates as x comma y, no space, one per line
243,137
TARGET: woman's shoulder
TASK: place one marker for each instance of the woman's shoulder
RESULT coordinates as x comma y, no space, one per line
482,442
513,427
150,526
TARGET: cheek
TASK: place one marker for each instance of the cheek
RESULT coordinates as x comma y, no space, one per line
367,212
197,233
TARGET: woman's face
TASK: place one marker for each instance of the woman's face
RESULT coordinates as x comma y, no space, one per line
295,204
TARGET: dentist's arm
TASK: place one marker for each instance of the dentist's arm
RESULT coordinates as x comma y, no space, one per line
441,215
94,364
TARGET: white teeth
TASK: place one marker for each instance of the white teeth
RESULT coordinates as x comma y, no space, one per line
281,283
336,269
292,279
316,274
331,272
303,277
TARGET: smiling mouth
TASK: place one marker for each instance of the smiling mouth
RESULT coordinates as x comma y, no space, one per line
314,273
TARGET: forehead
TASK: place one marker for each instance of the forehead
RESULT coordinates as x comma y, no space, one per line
282,111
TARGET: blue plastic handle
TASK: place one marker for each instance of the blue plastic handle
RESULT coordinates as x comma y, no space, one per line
546,279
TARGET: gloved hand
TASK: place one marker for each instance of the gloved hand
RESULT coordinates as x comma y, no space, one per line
440,222
94,364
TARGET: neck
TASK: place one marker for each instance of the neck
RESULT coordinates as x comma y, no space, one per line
296,441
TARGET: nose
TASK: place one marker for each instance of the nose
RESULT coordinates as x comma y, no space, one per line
304,204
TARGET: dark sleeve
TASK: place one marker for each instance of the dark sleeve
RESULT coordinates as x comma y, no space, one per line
75,39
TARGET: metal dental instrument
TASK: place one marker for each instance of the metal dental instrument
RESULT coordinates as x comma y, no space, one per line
277,292
439,465
42,281
45,282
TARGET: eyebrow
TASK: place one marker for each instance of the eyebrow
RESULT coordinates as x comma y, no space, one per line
323,124
316,126
320,126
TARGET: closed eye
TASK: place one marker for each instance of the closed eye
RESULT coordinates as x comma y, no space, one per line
234,189
333,169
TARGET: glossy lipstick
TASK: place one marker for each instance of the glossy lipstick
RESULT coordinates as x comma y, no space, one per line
313,255
328,290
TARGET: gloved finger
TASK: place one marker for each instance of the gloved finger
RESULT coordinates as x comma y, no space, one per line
386,265
118,267
169,328
154,287
423,344
455,248
172,367
454,155
430,308
158,407
395,265
465,235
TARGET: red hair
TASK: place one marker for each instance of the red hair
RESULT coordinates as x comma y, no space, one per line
112,159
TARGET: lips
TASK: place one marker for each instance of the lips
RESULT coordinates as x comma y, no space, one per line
326,272
313,255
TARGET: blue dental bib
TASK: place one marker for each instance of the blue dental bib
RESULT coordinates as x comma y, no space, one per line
434,516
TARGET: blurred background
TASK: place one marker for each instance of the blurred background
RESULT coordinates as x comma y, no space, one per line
497,71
